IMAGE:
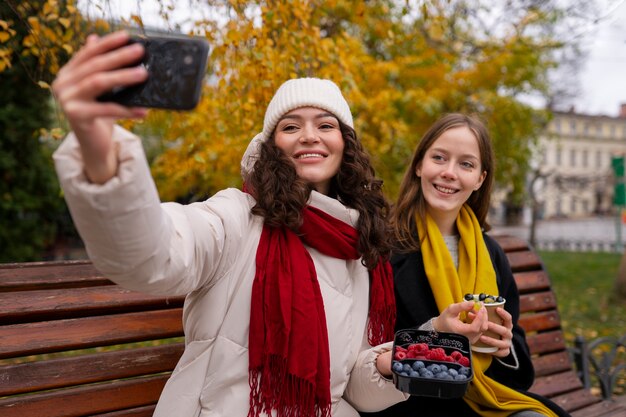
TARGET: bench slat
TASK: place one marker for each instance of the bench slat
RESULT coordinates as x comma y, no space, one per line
556,384
84,369
542,343
60,335
530,281
17,307
511,243
543,321
575,400
524,261
87,400
146,411
601,409
552,363
45,275
537,301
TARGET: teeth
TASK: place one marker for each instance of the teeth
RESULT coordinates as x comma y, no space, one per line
445,190
310,155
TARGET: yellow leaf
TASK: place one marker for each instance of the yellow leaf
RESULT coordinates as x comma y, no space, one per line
68,49
4,36
43,84
65,22
4,25
50,6
137,20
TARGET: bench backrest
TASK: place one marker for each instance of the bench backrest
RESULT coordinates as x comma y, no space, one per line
73,344
556,377
64,343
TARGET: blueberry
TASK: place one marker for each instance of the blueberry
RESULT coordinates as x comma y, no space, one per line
413,374
499,299
453,372
406,368
434,368
482,296
443,367
417,365
469,297
404,374
422,371
463,370
397,366
428,375
460,377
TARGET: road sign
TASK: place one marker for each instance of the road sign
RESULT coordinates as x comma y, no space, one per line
619,195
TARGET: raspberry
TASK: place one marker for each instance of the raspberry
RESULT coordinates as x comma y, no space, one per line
399,355
464,361
436,354
419,347
456,355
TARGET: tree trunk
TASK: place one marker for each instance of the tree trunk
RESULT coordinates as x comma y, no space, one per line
620,280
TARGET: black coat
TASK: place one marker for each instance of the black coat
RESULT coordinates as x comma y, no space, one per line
416,305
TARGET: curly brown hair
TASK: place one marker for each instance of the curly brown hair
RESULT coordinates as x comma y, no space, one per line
281,194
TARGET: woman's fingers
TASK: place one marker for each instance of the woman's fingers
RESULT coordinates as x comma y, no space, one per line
97,46
90,87
101,74
91,110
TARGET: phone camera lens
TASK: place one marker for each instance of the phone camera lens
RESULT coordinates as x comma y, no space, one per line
188,60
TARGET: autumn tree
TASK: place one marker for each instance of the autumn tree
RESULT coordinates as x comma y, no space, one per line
400,64
31,206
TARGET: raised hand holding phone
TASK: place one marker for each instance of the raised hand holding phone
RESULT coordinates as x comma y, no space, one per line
176,68
99,66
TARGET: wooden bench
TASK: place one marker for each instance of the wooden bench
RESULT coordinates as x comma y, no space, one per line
556,375
49,309
65,333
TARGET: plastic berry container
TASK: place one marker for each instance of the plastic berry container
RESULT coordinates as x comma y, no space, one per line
427,363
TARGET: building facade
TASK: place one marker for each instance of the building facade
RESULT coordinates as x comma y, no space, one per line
574,164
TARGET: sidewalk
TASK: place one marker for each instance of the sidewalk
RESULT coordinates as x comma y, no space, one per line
599,233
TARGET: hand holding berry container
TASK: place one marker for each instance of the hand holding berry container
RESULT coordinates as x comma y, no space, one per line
433,364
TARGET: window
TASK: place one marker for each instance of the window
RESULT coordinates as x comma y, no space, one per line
599,159
572,126
572,206
586,129
559,156
572,157
557,125
584,156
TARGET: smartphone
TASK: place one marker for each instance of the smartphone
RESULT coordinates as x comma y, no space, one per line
176,69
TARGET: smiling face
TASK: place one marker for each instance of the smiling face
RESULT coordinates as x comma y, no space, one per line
450,172
312,139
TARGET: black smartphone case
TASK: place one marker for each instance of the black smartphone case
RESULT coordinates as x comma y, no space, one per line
176,68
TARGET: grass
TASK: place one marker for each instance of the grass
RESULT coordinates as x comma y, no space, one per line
583,284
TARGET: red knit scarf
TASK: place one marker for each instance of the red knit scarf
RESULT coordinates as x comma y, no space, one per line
288,345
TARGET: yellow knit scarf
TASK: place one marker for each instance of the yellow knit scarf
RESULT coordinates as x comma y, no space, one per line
475,275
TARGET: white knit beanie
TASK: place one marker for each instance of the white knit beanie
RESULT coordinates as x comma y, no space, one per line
293,94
